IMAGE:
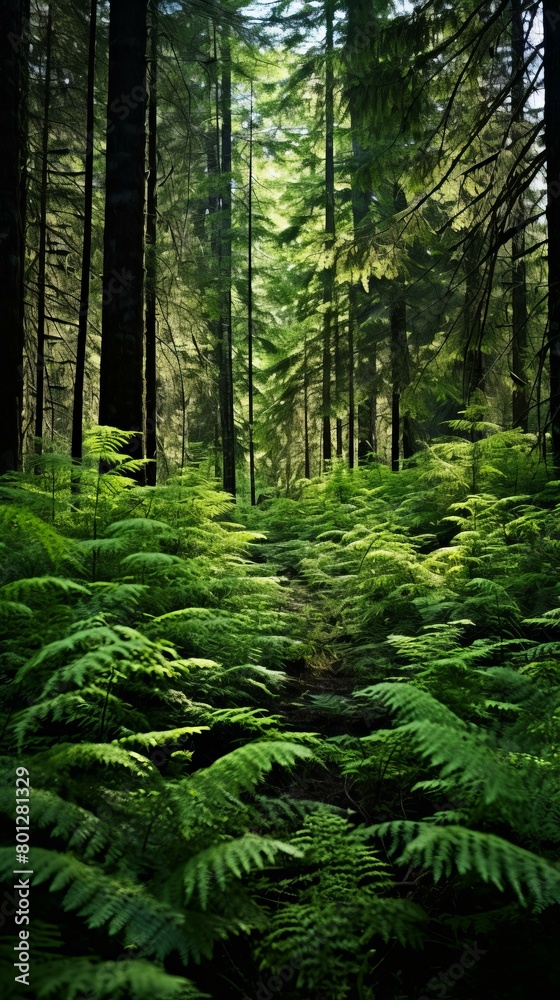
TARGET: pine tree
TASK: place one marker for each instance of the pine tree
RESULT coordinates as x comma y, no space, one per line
121,391
11,236
551,19
84,312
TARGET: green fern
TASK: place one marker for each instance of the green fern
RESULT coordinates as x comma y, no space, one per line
446,849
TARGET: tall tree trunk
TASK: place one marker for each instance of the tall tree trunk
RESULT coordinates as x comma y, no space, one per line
11,237
151,257
363,381
328,273
307,457
211,230
250,387
357,305
398,371
351,382
24,43
122,369
40,365
474,370
520,402
551,22
338,383
400,365
225,339
78,407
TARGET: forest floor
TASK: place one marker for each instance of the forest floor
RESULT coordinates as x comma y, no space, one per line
351,670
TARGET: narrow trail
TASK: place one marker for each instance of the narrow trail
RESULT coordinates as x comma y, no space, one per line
322,673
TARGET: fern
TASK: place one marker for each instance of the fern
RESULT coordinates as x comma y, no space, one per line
343,906
446,849
230,859
130,979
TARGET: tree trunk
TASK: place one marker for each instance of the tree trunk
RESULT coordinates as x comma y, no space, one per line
520,401
363,381
400,365
328,273
78,407
398,370
122,374
11,239
351,383
338,383
357,305
307,456
474,370
211,231
151,258
25,52
551,22
250,311
40,364
23,47
225,339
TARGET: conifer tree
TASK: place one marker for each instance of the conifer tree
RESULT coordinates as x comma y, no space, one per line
84,311
151,252
551,20
11,236
121,390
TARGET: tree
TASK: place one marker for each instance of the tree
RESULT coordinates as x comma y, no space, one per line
519,312
11,369
151,256
121,390
78,407
40,361
250,329
400,373
225,329
552,142
329,271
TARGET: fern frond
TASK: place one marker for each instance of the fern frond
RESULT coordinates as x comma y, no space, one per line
157,739
121,905
446,849
410,704
130,979
238,771
230,859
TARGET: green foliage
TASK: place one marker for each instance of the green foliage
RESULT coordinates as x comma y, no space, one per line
152,690
342,908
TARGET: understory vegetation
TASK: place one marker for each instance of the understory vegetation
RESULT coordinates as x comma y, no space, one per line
303,749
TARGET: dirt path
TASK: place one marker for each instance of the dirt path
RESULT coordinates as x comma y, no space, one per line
320,676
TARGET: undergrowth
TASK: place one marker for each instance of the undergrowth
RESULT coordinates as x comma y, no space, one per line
149,638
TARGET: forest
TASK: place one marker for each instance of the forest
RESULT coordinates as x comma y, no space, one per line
280,499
